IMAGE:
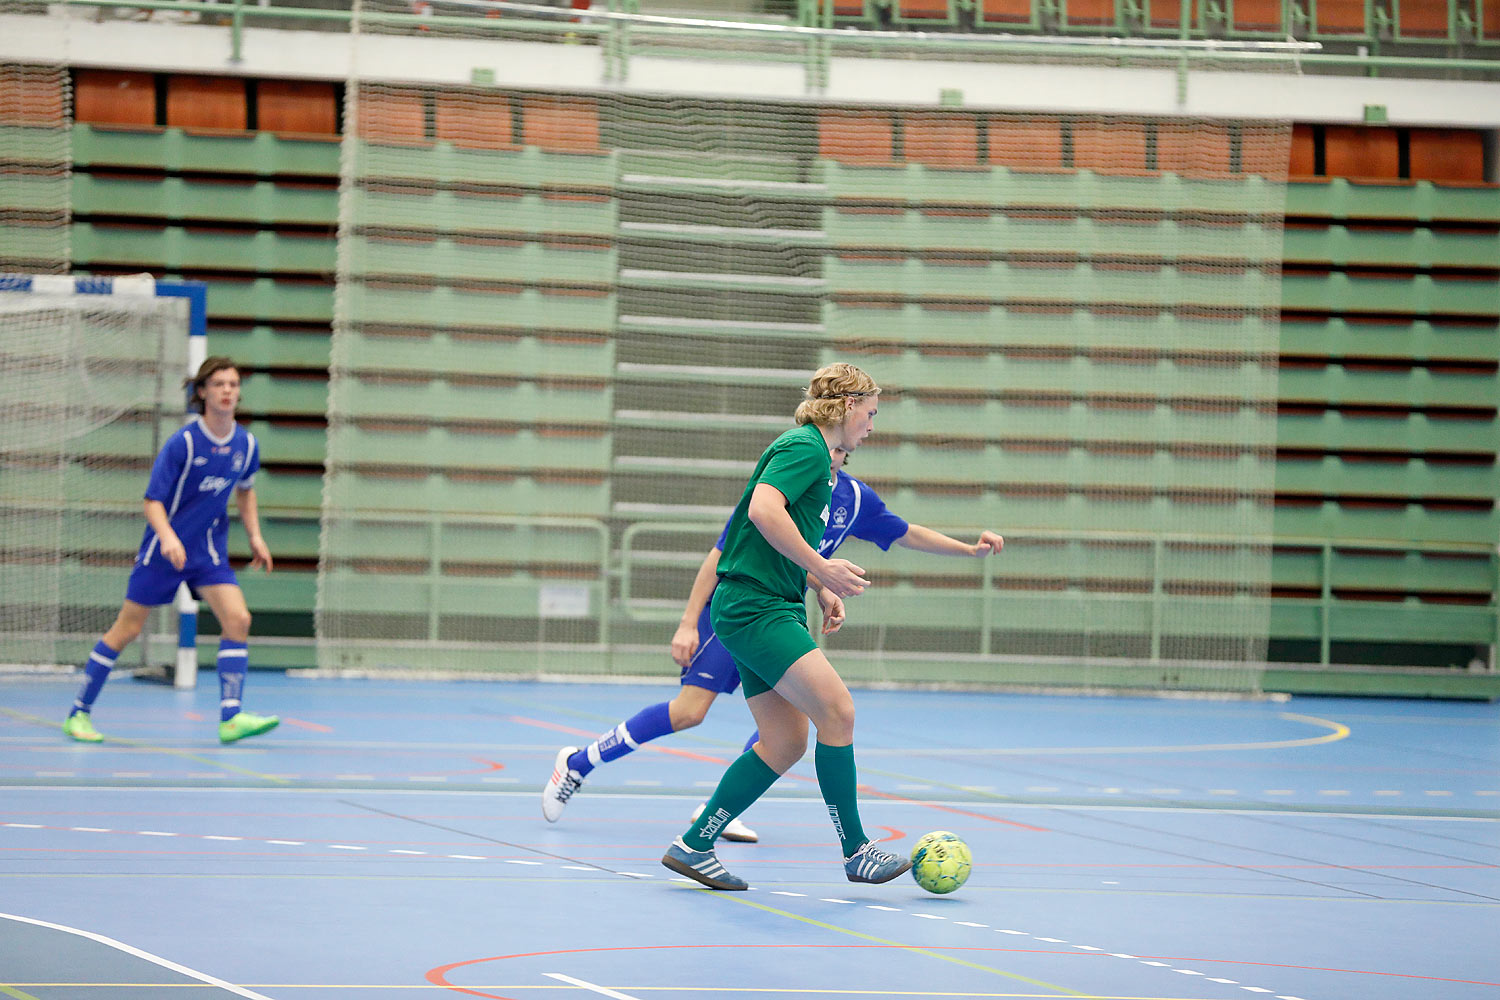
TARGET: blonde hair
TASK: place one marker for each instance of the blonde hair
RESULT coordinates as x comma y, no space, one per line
823,402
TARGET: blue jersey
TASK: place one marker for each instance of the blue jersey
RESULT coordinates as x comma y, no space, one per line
192,478
854,510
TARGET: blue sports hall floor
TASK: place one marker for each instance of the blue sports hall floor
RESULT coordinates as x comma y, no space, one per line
386,842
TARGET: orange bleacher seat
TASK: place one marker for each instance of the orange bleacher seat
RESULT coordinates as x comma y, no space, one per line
110,97
1353,151
1447,154
217,102
1090,13
1110,146
1304,152
1422,19
475,120
561,124
303,106
1257,17
1340,17
941,140
1005,12
857,137
923,10
1167,14
1193,148
1489,20
1034,143
395,116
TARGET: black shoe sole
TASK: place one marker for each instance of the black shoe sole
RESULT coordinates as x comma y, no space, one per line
690,872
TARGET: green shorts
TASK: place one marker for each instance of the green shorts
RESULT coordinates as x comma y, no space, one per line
765,634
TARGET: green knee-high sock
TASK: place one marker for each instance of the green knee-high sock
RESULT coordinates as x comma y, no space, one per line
746,780
836,780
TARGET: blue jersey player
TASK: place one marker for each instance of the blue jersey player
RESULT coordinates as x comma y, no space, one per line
187,541
707,668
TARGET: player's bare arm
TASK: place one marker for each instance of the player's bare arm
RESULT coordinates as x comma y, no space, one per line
768,513
923,539
685,640
245,502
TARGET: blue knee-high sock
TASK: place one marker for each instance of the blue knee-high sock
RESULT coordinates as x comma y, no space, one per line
642,727
95,673
234,661
752,740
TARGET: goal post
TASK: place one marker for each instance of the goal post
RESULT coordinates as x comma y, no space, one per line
90,383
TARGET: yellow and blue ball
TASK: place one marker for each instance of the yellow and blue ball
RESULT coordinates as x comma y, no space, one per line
940,862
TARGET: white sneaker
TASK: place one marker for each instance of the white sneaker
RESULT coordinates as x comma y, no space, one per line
561,786
733,830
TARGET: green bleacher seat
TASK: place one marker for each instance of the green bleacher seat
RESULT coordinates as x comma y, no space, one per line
1378,386
507,212
457,259
1414,340
1394,431
262,154
516,446
521,308
445,164
286,442
266,345
264,394
497,353
1411,522
181,198
1415,295
177,247
1346,476
460,398
1419,201
1419,248
559,494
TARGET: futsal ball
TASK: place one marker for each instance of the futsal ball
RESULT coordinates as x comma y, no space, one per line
940,862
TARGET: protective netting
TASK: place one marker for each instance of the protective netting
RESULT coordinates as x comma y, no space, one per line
36,162
568,324
89,384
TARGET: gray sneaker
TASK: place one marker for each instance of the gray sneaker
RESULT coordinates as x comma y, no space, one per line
701,866
871,864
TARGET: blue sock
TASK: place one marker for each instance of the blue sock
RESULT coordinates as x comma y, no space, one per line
752,740
95,673
234,661
642,727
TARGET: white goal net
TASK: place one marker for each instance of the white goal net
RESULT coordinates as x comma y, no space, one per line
89,386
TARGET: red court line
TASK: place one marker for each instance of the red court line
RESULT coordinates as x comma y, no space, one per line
865,789
316,727
439,976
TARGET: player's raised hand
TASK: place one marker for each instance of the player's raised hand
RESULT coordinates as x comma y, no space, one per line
988,542
842,577
684,644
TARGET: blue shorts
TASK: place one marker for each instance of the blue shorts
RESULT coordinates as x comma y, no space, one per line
156,582
712,666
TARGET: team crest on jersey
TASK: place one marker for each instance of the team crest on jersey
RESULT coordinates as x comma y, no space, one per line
238,462
840,517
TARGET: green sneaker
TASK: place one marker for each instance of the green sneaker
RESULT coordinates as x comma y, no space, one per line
81,728
243,724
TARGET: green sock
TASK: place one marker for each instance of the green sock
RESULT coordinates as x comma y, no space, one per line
835,767
746,780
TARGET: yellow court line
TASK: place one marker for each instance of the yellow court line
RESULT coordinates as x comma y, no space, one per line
16,994
142,745
896,944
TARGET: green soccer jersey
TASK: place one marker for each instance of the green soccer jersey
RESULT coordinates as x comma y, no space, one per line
797,464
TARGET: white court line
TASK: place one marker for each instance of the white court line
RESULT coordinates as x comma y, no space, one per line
138,953
604,991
